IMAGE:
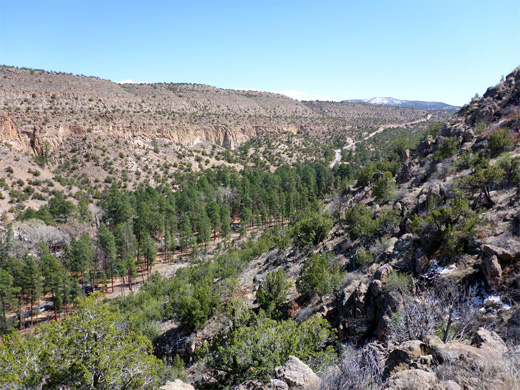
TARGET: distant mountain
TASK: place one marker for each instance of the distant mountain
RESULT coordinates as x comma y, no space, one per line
389,101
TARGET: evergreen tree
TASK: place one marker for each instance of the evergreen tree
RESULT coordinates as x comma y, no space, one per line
16,270
204,228
117,207
82,252
60,208
149,253
273,291
213,212
107,244
126,244
225,226
8,299
96,350
32,284
54,275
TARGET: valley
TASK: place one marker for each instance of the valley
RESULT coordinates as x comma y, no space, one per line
189,237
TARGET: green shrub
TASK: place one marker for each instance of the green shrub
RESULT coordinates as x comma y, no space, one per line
387,220
320,275
256,345
193,304
40,161
365,176
467,159
481,181
59,207
448,226
384,188
364,259
447,148
359,221
273,291
367,173
312,230
499,141
398,282
515,170
480,128
93,348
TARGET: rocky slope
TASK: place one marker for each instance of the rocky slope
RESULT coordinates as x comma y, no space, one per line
430,274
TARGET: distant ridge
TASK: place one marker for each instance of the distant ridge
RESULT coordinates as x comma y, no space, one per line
389,101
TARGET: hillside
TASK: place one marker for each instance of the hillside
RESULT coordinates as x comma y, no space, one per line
79,134
397,268
40,106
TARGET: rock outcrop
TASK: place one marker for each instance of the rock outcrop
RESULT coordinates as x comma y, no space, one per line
177,385
298,375
436,365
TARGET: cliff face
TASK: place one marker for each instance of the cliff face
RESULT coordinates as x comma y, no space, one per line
39,107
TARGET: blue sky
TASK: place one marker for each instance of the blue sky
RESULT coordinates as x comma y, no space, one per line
440,50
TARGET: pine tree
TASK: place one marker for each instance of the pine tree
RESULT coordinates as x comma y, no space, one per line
126,244
204,228
7,297
107,244
149,253
54,275
32,284
15,267
225,226
213,212
82,256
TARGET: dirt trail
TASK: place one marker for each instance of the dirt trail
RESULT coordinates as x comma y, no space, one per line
337,156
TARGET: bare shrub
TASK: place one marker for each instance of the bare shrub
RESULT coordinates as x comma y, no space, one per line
447,310
356,370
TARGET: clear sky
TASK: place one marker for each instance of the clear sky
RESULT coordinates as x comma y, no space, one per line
439,50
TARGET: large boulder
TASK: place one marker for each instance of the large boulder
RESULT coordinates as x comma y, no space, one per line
412,379
506,249
487,350
177,385
490,341
298,375
406,353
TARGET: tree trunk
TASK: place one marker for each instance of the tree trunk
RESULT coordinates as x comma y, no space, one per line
130,281
20,314
488,197
82,282
55,309
32,313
